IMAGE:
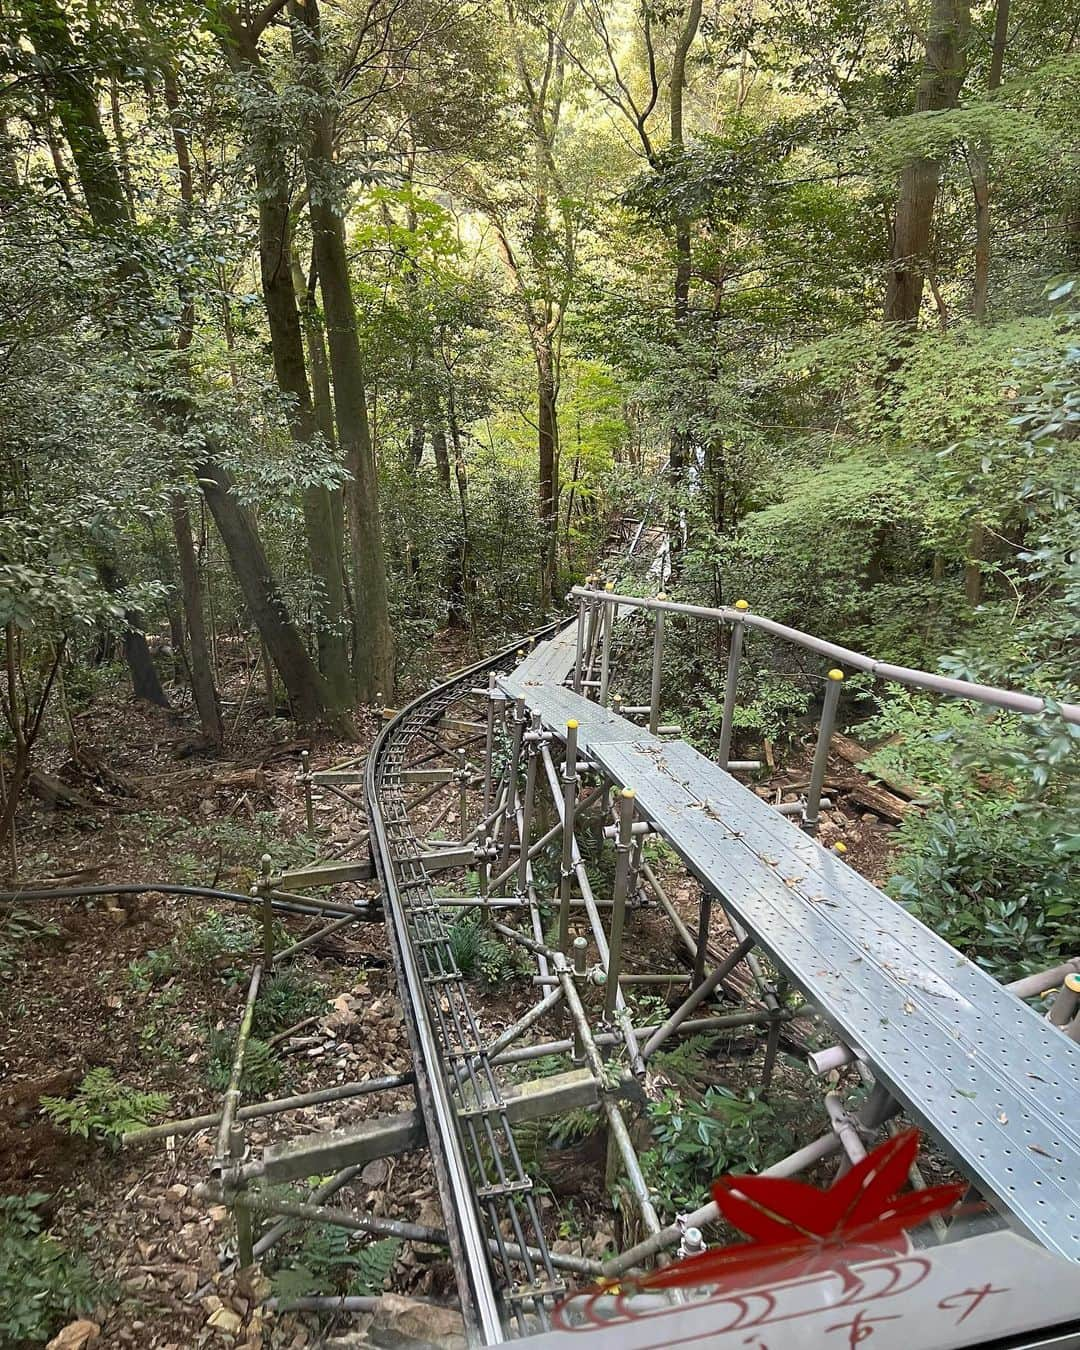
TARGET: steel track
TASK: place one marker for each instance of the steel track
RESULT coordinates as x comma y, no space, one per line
486,1195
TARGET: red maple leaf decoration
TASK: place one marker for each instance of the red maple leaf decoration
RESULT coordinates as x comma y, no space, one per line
796,1229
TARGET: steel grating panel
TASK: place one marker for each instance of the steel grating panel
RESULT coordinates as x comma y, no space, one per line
946,1069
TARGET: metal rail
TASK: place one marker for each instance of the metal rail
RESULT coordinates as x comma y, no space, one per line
482,1182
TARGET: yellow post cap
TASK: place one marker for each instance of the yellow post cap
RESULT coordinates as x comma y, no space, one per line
836,674
628,793
662,595
742,604
839,846
1072,983
572,724
609,585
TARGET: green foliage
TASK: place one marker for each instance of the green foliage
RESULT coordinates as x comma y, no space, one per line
17,928
695,1141
103,1108
152,969
262,1068
221,938
478,953
286,998
329,1258
42,1283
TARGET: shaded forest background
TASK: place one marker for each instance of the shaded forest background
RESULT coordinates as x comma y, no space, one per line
328,328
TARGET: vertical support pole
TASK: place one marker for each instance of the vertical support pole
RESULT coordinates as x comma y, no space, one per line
624,838
532,739
580,946
305,778
834,680
483,854
579,649
267,915
731,685
242,1216
463,796
605,646
566,866
510,808
657,658
704,915
489,743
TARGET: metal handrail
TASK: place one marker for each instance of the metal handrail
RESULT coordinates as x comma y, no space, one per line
1009,699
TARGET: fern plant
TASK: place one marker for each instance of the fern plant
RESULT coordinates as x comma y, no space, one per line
478,953
103,1108
262,1068
287,998
328,1257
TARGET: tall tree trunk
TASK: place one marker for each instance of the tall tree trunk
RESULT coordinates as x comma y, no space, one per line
939,87
200,665
374,672
979,160
548,447
677,92
74,97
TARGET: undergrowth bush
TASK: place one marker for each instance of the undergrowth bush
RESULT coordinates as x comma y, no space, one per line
286,998
479,954
42,1283
103,1108
697,1140
262,1068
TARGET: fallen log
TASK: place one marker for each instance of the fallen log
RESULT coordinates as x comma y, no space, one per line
857,754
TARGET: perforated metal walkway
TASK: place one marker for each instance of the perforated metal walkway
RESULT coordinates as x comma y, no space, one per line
994,1082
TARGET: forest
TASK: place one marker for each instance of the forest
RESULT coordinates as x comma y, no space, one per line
341,339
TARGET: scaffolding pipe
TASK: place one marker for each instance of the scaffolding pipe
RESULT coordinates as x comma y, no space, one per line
656,673
380,1227
698,996
625,812
637,1064
566,823
616,1123
192,1124
731,687
231,1100
821,750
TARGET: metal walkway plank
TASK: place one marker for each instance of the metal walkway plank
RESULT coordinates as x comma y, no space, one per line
983,1071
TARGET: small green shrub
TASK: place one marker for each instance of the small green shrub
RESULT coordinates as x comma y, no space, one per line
154,968
329,1257
42,1284
287,998
222,939
103,1108
695,1141
262,1068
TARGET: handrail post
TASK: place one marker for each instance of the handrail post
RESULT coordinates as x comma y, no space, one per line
835,679
579,645
731,685
580,946
489,743
566,869
605,646
509,807
657,658
532,738
623,841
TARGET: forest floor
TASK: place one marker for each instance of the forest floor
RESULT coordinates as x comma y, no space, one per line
152,991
